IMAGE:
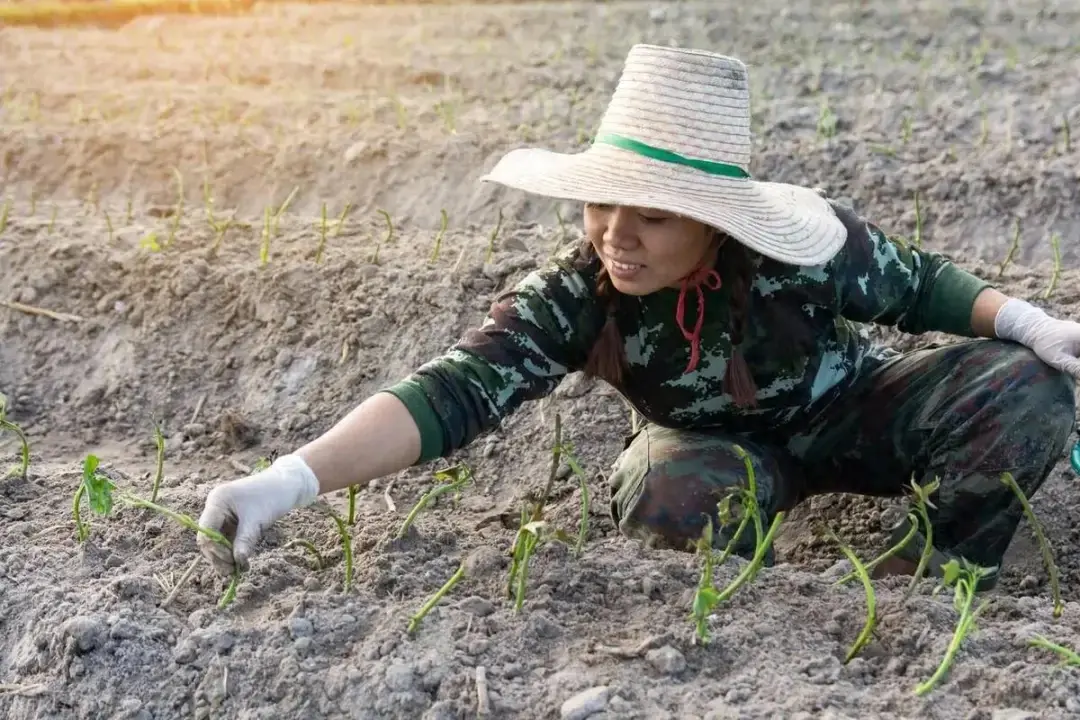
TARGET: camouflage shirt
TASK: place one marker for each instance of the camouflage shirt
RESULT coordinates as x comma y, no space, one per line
803,340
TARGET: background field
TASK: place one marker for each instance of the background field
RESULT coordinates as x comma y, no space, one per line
104,133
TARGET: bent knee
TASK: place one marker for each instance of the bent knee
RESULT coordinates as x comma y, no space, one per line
1038,388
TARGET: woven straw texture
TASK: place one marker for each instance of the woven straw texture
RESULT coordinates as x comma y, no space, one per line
696,104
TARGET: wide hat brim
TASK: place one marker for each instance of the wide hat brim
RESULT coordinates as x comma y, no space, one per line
789,223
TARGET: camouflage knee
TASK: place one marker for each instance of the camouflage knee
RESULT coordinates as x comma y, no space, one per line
667,483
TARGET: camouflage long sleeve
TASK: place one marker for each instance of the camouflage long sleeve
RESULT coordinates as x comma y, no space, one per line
799,339
533,336
883,281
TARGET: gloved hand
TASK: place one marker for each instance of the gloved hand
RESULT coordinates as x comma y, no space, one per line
1056,342
242,509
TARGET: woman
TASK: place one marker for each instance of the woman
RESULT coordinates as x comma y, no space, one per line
727,311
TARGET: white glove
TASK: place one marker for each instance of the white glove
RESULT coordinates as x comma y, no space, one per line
242,509
1056,342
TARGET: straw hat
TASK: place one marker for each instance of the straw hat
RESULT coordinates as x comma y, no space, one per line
676,137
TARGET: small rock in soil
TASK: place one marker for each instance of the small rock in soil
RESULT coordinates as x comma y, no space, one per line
585,703
667,660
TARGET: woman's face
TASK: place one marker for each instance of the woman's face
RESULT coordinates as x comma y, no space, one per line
645,250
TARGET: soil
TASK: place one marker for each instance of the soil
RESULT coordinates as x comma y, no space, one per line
400,108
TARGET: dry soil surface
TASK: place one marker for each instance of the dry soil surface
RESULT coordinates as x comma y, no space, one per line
398,109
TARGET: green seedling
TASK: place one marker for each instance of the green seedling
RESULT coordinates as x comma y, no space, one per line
751,570
431,602
342,216
109,225
1044,545
264,250
566,450
387,239
1014,247
353,490
1068,657
914,522
871,598
922,503
5,424
322,237
346,543
447,111
705,597
101,494
33,202
525,542
439,236
533,530
494,234
281,210
52,221
1055,273
826,125
4,213
150,242
159,473
452,480
311,549
964,578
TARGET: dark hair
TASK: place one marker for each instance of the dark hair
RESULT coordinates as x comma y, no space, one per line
607,357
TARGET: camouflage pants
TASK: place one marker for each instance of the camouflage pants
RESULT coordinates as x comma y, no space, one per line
963,413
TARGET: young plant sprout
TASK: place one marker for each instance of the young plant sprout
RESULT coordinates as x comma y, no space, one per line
533,530
913,521
6,424
964,579
101,493
474,565
1014,247
1040,537
159,474
264,250
1068,657
1055,274
705,597
452,479
346,543
871,598
281,210
353,490
922,502
414,621
439,236
311,549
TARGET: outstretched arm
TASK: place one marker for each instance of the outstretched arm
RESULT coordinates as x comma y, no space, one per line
376,438
532,337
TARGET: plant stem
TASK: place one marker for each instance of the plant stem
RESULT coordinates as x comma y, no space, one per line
159,441
751,569
1040,536
871,599
430,495
431,602
888,553
963,627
